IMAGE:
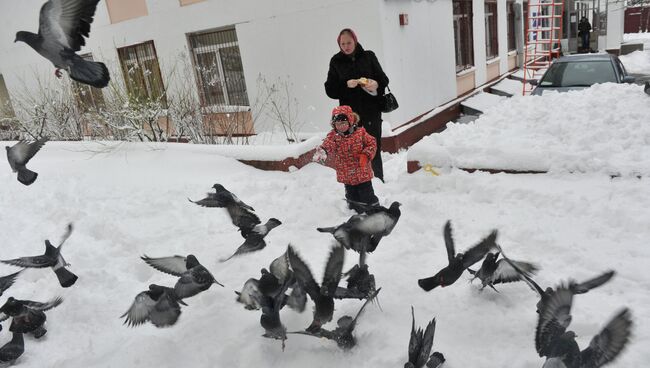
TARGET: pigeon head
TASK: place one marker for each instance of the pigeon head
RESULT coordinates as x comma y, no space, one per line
26,37
191,261
273,222
11,307
219,188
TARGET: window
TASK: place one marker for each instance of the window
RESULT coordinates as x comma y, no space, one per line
121,10
142,73
6,110
491,36
88,98
463,34
218,67
510,15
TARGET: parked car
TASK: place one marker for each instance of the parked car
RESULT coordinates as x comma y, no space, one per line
574,72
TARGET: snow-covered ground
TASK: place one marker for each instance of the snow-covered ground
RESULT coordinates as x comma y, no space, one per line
637,61
132,200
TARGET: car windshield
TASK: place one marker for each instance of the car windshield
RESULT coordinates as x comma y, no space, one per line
579,74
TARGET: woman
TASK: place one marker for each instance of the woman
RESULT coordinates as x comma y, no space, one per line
356,79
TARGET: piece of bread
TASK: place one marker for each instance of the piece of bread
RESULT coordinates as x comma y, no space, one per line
363,81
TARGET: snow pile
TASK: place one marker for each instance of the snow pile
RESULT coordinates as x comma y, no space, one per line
637,62
604,128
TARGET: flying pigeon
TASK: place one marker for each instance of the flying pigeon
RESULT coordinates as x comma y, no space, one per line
194,277
19,155
458,263
160,305
420,345
12,350
7,281
243,216
553,341
496,272
321,295
52,258
62,26
342,334
646,89
28,316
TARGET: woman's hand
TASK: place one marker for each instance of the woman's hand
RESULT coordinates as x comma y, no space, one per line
372,85
353,83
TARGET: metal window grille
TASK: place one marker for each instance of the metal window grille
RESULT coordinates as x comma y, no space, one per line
491,36
88,98
142,72
511,25
6,110
218,67
463,34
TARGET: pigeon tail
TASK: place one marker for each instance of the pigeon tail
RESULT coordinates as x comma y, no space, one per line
92,73
429,283
326,229
26,176
66,278
436,360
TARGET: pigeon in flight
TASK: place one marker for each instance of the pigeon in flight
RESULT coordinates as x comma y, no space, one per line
19,155
62,26
321,295
553,341
52,258
458,263
193,276
497,272
28,316
420,345
243,216
7,281
342,334
160,305
12,350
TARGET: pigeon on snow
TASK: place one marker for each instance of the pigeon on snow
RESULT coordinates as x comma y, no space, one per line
28,316
553,341
458,263
420,345
193,276
19,155
52,258
62,26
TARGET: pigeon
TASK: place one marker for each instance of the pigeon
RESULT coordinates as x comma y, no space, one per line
360,284
52,258
342,334
321,295
646,89
496,272
7,281
457,262
28,316
553,341
420,345
62,26
12,350
194,277
243,216
160,305
575,287
19,155
363,232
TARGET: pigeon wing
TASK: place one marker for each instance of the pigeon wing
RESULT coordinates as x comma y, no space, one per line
23,151
606,346
174,265
427,343
253,242
67,21
415,342
505,272
303,274
44,306
333,270
477,252
525,277
280,268
7,281
591,283
449,241
554,318
31,262
243,218
210,201
139,311
371,298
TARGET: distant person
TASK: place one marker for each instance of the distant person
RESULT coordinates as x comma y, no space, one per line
350,149
584,30
357,80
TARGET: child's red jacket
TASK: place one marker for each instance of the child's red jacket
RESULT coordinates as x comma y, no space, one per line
344,150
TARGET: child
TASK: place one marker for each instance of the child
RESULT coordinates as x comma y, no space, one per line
352,149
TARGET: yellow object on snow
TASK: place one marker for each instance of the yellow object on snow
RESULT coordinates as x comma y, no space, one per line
428,168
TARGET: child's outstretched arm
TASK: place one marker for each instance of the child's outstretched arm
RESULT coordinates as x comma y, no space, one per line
326,148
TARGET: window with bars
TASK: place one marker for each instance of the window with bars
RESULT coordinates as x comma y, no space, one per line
463,34
142,72
491,36
6,110
218,67
88,98
511,25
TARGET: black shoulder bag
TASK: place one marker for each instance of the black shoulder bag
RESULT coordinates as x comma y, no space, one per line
388,102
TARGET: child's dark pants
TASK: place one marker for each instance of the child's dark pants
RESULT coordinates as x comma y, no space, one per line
362,194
